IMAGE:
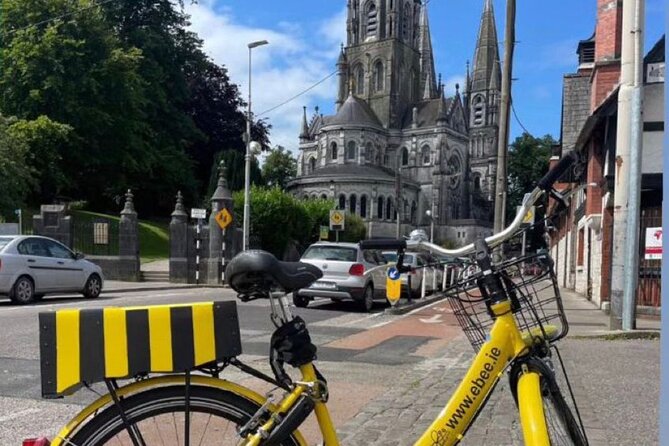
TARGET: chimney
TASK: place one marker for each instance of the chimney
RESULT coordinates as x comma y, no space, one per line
606,74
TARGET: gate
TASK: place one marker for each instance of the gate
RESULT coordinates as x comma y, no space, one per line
97,237
650,272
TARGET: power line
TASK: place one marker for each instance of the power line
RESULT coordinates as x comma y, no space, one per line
269,110
67,14
513,109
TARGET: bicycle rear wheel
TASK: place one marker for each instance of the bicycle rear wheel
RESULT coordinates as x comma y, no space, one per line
563,429
157,417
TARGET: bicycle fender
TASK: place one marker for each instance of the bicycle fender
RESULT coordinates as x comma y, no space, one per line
75,423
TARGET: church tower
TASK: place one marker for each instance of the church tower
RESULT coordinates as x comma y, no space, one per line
388,57
483,95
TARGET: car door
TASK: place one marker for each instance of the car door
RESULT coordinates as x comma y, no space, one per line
36,260
68,273
382,272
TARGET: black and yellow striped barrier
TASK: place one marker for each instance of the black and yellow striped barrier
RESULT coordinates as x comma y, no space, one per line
88,346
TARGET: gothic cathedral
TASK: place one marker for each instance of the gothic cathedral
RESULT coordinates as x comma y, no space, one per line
397,152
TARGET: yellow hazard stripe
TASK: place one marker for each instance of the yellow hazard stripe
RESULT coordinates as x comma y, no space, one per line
160,339
67,349
203,333
116,343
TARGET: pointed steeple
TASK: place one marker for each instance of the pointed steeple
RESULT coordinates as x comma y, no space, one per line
427,73
486,56
304,133
442,117
342,77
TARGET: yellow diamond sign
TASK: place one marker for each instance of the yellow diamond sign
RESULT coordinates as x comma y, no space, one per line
337,219
223,218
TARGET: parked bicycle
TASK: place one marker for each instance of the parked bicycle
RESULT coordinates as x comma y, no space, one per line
511,319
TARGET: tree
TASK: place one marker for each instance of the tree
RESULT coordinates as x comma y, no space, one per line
528,162
279,168
16,176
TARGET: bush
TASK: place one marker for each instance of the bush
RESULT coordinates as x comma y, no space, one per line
354,229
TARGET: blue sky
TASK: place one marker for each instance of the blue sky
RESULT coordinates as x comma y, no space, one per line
305,35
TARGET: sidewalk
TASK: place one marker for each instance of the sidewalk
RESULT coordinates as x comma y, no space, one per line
117,286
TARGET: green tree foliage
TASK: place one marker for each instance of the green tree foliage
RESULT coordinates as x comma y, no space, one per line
16,176
280,167
528,162
354,229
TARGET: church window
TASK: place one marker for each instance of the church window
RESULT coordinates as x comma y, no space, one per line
352,202
342,202
389,208
385,159
477,183
414,208
360,80
378,76
426,155
478,110
406,22
405,156
333,150
351,151
363,206
372,20
324,197
312,164
379,208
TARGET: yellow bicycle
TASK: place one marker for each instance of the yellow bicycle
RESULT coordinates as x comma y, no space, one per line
174,356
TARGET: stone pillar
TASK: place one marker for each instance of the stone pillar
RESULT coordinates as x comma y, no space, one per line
53,222
179,243
128,239
222,199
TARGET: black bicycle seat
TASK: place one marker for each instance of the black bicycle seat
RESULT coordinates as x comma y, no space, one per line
258,270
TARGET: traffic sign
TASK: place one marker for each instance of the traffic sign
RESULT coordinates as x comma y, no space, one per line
223,218
393,286
337,220
324,233
198,213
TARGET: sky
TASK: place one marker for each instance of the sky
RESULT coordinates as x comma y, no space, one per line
305,36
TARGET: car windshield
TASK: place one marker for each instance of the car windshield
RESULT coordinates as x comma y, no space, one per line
340,253
391,257
4,241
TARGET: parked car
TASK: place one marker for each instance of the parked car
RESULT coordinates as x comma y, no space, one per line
416,277
32,266
344,266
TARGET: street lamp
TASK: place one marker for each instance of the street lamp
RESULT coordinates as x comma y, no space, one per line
247,173
428,213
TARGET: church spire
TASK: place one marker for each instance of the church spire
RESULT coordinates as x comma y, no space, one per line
304,133
427,73
442,118
486,56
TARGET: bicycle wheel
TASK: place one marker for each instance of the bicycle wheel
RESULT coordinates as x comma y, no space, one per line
157,417
563,429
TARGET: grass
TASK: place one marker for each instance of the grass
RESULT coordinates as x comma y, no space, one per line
154,240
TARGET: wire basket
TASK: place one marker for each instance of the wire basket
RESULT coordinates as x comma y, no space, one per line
531,285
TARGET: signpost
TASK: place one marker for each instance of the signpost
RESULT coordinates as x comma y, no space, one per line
337,221
223,218
393,286
324,233
199,215
653,247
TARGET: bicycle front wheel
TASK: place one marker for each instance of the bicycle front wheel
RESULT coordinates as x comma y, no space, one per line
158,417
563,429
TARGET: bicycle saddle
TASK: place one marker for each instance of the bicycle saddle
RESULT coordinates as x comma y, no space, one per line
257,270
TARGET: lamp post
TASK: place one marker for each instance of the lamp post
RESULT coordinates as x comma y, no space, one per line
247,172
430,216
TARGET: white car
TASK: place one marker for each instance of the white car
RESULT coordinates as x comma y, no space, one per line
433,275
32,266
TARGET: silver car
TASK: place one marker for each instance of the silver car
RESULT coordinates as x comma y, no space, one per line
413,281
349,273
32,266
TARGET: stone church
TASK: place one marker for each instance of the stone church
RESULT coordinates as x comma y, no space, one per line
396,147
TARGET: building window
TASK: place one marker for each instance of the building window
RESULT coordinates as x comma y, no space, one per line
324,197
352,202
378,76
477,183
312,164
581,247
426,155
360,80
406,22
372,21
351,151
333,150
379,208
478,110
363,206
405,156
389,208
342,202
414,208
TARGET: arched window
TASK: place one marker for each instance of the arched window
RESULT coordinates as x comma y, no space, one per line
405,156
406,22
312,165
478,110
351,150
426,156
405,210
333,150
372,21
352,202
324,197
363,206
342,202
379,208
414,208
369,153
359,80
477,182
378,76
389,208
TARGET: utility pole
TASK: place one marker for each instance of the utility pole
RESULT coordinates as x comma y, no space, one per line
627,209
505,102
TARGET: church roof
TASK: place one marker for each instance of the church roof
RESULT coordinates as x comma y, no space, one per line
427,112
486,56
354,111
355,171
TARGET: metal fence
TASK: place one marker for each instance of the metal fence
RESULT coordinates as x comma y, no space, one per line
650,272
97,236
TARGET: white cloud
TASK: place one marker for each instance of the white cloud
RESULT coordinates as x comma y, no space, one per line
291,63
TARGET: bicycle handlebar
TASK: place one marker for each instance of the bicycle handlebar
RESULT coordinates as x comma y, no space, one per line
390,244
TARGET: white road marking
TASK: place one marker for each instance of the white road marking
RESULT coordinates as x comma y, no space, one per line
435,319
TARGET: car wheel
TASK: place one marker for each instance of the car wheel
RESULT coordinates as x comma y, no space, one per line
300,301
23,291
367,301
93,287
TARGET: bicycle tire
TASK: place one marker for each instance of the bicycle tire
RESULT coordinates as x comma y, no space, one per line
562,427
107,427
